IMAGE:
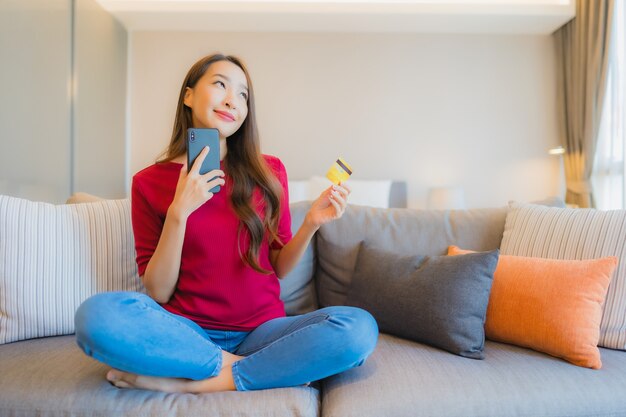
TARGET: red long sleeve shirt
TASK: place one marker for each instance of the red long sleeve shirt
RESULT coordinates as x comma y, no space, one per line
215,288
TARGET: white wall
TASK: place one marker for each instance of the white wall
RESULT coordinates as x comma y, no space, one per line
475,111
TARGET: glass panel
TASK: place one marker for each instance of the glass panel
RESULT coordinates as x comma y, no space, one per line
610,164
35,52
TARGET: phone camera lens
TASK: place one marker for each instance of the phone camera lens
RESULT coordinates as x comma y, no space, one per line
193,137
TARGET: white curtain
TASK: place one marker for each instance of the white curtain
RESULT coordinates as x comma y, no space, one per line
609,182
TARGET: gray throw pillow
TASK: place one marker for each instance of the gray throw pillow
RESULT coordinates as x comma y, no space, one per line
437,300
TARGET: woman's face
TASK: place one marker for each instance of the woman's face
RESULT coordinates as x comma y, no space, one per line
219,99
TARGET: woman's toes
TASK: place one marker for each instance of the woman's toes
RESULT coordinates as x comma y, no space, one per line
114,375
121,379
122,384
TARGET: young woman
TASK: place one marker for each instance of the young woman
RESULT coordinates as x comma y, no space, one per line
212,319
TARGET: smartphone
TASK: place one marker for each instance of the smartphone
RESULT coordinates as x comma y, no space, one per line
197,139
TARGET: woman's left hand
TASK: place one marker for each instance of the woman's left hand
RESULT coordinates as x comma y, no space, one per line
330,205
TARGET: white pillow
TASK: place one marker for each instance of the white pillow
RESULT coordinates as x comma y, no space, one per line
298,190
53,257
565,233
373,193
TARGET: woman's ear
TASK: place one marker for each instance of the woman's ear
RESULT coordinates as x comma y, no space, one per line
187,100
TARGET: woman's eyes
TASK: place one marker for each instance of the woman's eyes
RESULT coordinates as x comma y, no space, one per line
244,95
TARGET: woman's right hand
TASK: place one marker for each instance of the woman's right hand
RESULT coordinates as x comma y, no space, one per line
192,189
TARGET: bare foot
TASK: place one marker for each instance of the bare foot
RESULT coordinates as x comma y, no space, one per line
127,380
222,382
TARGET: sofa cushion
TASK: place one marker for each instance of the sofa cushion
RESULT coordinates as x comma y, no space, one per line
404,378
408,231
438,300
52,257
297,288
550,305
51,377
564,233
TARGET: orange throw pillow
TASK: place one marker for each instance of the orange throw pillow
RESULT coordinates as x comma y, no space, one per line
549,305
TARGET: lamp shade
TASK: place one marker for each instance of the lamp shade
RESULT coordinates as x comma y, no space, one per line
559,150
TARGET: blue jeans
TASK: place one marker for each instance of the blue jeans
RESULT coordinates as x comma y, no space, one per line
131,332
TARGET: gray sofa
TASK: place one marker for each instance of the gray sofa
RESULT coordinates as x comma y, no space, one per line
52,377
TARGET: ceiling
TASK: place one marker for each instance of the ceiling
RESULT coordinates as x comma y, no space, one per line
364,16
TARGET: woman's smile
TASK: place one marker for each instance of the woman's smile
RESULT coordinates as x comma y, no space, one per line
224,115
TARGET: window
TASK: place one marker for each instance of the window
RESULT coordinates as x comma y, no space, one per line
609,182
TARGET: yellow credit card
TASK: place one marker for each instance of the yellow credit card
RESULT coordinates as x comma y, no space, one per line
339,172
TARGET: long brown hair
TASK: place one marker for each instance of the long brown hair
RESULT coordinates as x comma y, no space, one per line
244,164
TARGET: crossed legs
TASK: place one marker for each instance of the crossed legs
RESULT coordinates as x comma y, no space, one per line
150,348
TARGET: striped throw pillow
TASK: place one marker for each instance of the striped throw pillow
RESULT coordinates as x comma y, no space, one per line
564,233
52,257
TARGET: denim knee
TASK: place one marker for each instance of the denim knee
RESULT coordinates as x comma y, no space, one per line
359,331
99,310
131,332
105,303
